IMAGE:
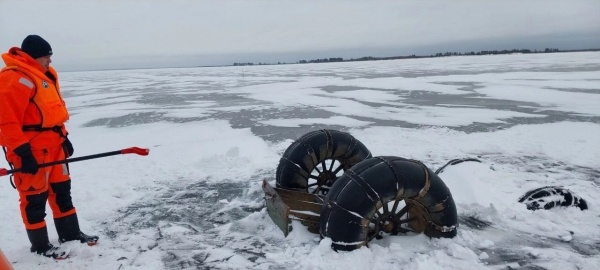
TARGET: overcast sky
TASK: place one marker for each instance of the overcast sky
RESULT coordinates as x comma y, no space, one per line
105,34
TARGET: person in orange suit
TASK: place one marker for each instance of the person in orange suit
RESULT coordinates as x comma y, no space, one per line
32,131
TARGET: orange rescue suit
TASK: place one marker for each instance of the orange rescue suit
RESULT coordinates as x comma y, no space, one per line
32,111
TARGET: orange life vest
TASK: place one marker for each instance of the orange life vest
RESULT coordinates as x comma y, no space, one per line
46,98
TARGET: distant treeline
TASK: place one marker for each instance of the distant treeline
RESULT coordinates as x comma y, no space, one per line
371,58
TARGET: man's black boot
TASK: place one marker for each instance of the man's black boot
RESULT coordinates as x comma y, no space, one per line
41,245
68,230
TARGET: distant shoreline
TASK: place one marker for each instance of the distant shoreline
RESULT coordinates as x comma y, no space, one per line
341,60
445,54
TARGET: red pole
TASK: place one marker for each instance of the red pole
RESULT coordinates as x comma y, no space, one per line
131,150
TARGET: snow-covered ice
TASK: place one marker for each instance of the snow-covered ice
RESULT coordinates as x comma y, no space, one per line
215,133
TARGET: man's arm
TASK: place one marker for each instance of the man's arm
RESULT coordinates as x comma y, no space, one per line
15,91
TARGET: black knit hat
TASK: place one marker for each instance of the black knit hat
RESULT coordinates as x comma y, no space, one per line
36,46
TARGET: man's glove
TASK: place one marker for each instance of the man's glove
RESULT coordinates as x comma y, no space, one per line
28,162
68,147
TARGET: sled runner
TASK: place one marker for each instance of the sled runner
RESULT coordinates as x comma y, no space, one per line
283,205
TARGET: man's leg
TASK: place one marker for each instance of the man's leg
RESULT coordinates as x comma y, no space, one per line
65,217
33,211
61,203
33,194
